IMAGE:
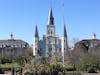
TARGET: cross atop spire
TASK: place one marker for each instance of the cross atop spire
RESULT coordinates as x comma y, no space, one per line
50,18
36,32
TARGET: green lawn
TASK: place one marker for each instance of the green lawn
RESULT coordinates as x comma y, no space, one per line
10,65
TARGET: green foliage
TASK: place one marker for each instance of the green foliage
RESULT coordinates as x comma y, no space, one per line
88,63
10,65
5,60
45,69
55,68
91,70
21,59
69,67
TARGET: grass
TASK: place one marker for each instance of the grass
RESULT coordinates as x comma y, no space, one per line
10,65
69,67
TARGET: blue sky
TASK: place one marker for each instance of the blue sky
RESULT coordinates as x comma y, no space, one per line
19,17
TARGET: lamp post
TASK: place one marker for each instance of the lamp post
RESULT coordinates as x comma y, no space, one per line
2,50
63,59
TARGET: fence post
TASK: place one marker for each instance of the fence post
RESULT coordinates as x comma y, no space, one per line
12,71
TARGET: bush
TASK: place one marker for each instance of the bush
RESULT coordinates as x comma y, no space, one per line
69,67
52,69
5,60
91,70
20,60
55,68
6,69
89,64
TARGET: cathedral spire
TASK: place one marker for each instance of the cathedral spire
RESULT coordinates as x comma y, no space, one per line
50,17
36,32
65,33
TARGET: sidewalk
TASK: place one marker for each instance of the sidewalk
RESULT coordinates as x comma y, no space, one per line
5,74
90,73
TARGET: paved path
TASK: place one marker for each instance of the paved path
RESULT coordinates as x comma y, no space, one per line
5,74
90,74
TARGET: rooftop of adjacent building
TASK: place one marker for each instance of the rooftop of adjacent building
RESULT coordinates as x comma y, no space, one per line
94,40
13,41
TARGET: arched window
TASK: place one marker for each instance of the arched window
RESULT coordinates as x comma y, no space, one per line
50,49
51,32
60,49
64,49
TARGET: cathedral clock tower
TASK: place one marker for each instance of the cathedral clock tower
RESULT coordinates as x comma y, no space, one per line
50,39
50,26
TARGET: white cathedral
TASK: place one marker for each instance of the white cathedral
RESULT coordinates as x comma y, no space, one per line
50,44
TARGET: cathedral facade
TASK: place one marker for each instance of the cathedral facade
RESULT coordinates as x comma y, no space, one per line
50,44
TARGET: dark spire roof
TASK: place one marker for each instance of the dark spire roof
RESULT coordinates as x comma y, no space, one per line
65,32
36,32
50,18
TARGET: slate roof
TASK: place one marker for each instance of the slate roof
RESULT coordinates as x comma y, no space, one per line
36,32
12,42
50,18
89,41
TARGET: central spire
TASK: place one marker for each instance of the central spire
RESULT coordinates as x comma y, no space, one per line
50,18
36,32
65,33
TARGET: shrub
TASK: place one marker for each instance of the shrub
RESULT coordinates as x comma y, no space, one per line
5,60
52,69
91,70
69,67
88,64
